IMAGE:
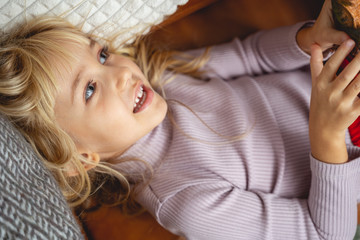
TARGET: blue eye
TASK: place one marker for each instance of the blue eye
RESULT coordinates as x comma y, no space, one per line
103,56
89,91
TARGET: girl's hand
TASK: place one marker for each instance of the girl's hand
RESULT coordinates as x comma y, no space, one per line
322,32
334,103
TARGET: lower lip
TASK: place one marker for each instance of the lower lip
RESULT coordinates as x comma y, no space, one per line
149,97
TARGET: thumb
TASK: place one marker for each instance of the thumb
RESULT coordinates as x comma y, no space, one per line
316,61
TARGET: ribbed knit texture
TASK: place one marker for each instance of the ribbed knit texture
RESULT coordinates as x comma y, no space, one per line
265,186
31,203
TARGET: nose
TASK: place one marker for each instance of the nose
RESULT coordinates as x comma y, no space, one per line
123,77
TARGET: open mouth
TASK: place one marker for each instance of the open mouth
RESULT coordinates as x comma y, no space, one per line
140,99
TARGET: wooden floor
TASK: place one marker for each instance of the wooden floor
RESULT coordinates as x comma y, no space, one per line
109,224
221,21
226,19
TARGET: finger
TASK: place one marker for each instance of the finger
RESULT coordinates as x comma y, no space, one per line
357,106
352,90
316,61
336,37
332,66
327,6
346,77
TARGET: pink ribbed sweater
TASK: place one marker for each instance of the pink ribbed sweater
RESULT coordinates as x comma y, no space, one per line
265,186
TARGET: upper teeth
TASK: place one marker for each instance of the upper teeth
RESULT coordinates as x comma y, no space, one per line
139,96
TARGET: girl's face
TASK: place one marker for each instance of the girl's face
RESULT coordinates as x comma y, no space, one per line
105,102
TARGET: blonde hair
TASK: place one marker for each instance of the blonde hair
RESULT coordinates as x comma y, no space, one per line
28,86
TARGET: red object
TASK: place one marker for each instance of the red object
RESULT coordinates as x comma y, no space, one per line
354,128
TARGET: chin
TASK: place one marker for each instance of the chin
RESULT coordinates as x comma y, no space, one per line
162,108
156,112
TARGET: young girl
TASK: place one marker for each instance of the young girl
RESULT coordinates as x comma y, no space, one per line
225,156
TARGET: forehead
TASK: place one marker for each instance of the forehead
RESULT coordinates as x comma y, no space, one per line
71,56
67,70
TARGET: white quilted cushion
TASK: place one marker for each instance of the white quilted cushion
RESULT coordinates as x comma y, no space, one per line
100,16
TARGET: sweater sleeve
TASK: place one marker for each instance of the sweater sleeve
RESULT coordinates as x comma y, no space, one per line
333,197
263,52
219,210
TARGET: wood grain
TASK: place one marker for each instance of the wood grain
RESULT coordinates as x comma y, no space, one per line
225,19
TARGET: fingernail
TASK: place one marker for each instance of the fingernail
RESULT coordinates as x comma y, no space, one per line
350,43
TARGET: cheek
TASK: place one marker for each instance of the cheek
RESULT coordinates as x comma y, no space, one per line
67,119
112,110
111,133
111,118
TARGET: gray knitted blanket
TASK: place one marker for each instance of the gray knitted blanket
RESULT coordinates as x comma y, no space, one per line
31,204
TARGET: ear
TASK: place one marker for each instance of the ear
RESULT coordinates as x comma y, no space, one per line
92,158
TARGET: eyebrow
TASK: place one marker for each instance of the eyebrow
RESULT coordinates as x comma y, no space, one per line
74,86
77,79
92,43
